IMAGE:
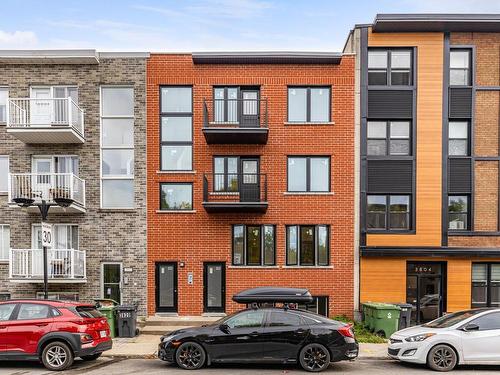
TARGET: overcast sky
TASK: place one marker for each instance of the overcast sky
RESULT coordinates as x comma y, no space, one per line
202,25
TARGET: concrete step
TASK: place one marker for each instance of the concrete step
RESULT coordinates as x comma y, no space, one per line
160,330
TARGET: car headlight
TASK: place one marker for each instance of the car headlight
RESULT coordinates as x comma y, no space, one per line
166,338
419,338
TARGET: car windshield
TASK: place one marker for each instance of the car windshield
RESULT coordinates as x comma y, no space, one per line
452,319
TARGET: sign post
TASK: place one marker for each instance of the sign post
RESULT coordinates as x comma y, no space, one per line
46,243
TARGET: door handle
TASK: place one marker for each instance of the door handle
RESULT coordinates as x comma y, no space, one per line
300,331
3,327
242,337
254,334
42,324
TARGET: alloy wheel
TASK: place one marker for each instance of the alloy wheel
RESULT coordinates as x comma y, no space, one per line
442,358
190,356
56,356
315,357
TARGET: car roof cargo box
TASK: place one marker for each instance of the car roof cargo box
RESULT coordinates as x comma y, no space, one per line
273,294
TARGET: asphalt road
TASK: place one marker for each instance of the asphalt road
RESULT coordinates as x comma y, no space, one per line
108,366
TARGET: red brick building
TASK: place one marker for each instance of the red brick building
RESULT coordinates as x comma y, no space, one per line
250,169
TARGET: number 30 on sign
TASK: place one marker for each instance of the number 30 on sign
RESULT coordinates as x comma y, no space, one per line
46,235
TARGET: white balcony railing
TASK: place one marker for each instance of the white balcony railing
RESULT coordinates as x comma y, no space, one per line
47,186
64,264
52,112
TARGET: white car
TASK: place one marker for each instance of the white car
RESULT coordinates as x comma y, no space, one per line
469,337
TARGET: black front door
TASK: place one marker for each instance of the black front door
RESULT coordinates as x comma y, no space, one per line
214,287
250,180
425,290
240,340
249,108
166,287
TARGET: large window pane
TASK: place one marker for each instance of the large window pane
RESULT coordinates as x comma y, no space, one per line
253,245
457,212
176,158
307,246
459,68
377,129
118,162
4,242
400,60
377,59
459,59
4,94
376,208
117,101
238,245
291,245
320,105
269,245
176,99
176,197
458,129
297,175
479,283
399,211
176,129
297,104
118,193
320,174
322,245
117,132
4,173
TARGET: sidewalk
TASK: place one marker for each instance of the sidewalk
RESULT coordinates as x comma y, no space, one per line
145,346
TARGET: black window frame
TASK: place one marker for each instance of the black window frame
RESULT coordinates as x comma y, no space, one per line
468,212
388,138
308,173
262,245
388,69
388,228
315,227
226,174
467,140
181,115
488,286
308,104
176,209
469,69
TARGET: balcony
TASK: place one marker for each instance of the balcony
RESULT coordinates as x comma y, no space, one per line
64,266
45,120
232,193
54,188
235,121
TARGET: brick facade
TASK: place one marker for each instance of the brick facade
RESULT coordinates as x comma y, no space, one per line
105,235
197,237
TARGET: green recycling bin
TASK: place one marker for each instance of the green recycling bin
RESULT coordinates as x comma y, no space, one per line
107,308
385,318
368,315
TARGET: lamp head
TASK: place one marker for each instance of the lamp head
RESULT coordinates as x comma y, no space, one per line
23,202
64,202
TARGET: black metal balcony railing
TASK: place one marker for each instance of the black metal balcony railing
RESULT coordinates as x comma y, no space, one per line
235,192
242,113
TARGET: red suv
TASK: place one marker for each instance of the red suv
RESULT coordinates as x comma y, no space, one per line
53,332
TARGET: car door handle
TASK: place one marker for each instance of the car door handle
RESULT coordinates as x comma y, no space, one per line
254,334
300,331
3,327
42,324
242,337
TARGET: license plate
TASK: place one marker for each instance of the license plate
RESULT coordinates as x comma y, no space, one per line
103,334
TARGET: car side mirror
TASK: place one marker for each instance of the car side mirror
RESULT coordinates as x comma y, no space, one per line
224,328
471,327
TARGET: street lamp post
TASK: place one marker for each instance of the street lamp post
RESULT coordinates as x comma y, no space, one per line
43,206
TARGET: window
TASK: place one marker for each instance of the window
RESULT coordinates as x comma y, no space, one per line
458,138
226,174
388,138
254,245
4,174
308,174
388,212
307,245
246,319
176,196
460,61
176,129
4,97
65,236
319,305
4,242
485,285
117,147
226,105
6,311
29,311
458,212
389,67
309,104
4,296
284,319
112,281
488,322
62,296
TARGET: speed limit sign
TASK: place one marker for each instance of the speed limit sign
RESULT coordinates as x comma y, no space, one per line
46,235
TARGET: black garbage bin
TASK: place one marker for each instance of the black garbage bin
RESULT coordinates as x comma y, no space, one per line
126,320
405,315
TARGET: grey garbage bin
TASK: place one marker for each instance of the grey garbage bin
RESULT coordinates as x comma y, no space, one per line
126,320
405,316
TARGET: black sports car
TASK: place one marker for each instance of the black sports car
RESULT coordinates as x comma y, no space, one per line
273,335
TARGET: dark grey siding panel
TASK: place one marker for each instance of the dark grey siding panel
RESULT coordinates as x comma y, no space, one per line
390,176
460,103
389,104
459,176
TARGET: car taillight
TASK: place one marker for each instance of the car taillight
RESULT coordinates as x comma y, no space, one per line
346,331
86,338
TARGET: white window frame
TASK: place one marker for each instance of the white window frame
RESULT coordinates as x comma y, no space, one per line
102,148
4,192
53,161
5,88
52,89
2,226
34,239
121,279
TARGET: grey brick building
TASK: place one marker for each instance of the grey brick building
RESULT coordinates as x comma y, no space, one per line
73,126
